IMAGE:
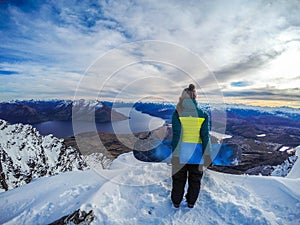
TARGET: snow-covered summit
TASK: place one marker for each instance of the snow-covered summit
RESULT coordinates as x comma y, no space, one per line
133,192
269,109
26,155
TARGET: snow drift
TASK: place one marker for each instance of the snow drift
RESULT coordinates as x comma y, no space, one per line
133,192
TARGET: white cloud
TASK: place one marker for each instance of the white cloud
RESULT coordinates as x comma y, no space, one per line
253,41
38,82
241,38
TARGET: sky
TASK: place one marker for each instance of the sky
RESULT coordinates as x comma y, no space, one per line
235,51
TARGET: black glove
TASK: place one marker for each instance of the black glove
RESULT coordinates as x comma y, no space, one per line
207,161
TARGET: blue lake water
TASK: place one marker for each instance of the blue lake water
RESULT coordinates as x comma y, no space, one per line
137,122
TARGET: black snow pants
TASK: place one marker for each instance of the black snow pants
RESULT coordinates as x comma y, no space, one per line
180,174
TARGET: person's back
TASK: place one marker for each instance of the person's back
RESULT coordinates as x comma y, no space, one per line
190,138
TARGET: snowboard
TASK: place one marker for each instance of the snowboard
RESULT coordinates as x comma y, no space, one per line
221,154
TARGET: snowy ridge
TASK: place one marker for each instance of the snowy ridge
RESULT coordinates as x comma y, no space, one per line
295,171
284,169
133,192
26,155
87,105
272,110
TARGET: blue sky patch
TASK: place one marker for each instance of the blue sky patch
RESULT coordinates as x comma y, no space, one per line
8,72
240,84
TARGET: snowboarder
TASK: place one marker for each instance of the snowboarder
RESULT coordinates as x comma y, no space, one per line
189,143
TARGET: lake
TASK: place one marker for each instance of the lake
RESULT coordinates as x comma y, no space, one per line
137,122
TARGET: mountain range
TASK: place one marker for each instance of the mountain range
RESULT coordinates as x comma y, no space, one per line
31,112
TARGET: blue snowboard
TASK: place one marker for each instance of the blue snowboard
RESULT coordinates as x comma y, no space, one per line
221,154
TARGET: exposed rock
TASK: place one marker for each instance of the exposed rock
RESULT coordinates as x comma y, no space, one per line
278,170
283,169
97,161
19,113
260,170
77,217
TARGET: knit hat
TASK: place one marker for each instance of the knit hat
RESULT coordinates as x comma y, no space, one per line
189,92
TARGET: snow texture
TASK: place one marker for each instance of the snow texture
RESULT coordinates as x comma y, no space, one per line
283,169
26,155
133,192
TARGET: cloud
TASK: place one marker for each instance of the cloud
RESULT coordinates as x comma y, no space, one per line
245,44
58,34
247,64
38,83
266,94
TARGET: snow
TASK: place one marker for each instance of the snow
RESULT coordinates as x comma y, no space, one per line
25,154
295,171
44,200
97,161
284,148
219,136
133,192
284,169
279,111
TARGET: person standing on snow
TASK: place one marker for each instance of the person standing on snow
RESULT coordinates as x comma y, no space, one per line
190,144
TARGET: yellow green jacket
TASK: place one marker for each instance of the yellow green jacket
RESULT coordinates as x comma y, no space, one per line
196,127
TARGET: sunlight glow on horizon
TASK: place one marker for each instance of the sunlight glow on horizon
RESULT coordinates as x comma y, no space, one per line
267,103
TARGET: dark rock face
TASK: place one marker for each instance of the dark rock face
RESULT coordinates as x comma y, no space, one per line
16,113
77,217
25,154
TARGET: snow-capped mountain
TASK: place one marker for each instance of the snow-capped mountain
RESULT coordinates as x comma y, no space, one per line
283,111
94,110
26,155
58,110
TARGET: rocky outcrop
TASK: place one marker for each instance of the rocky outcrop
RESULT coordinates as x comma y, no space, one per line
283,169
77,217
280,170
25,155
